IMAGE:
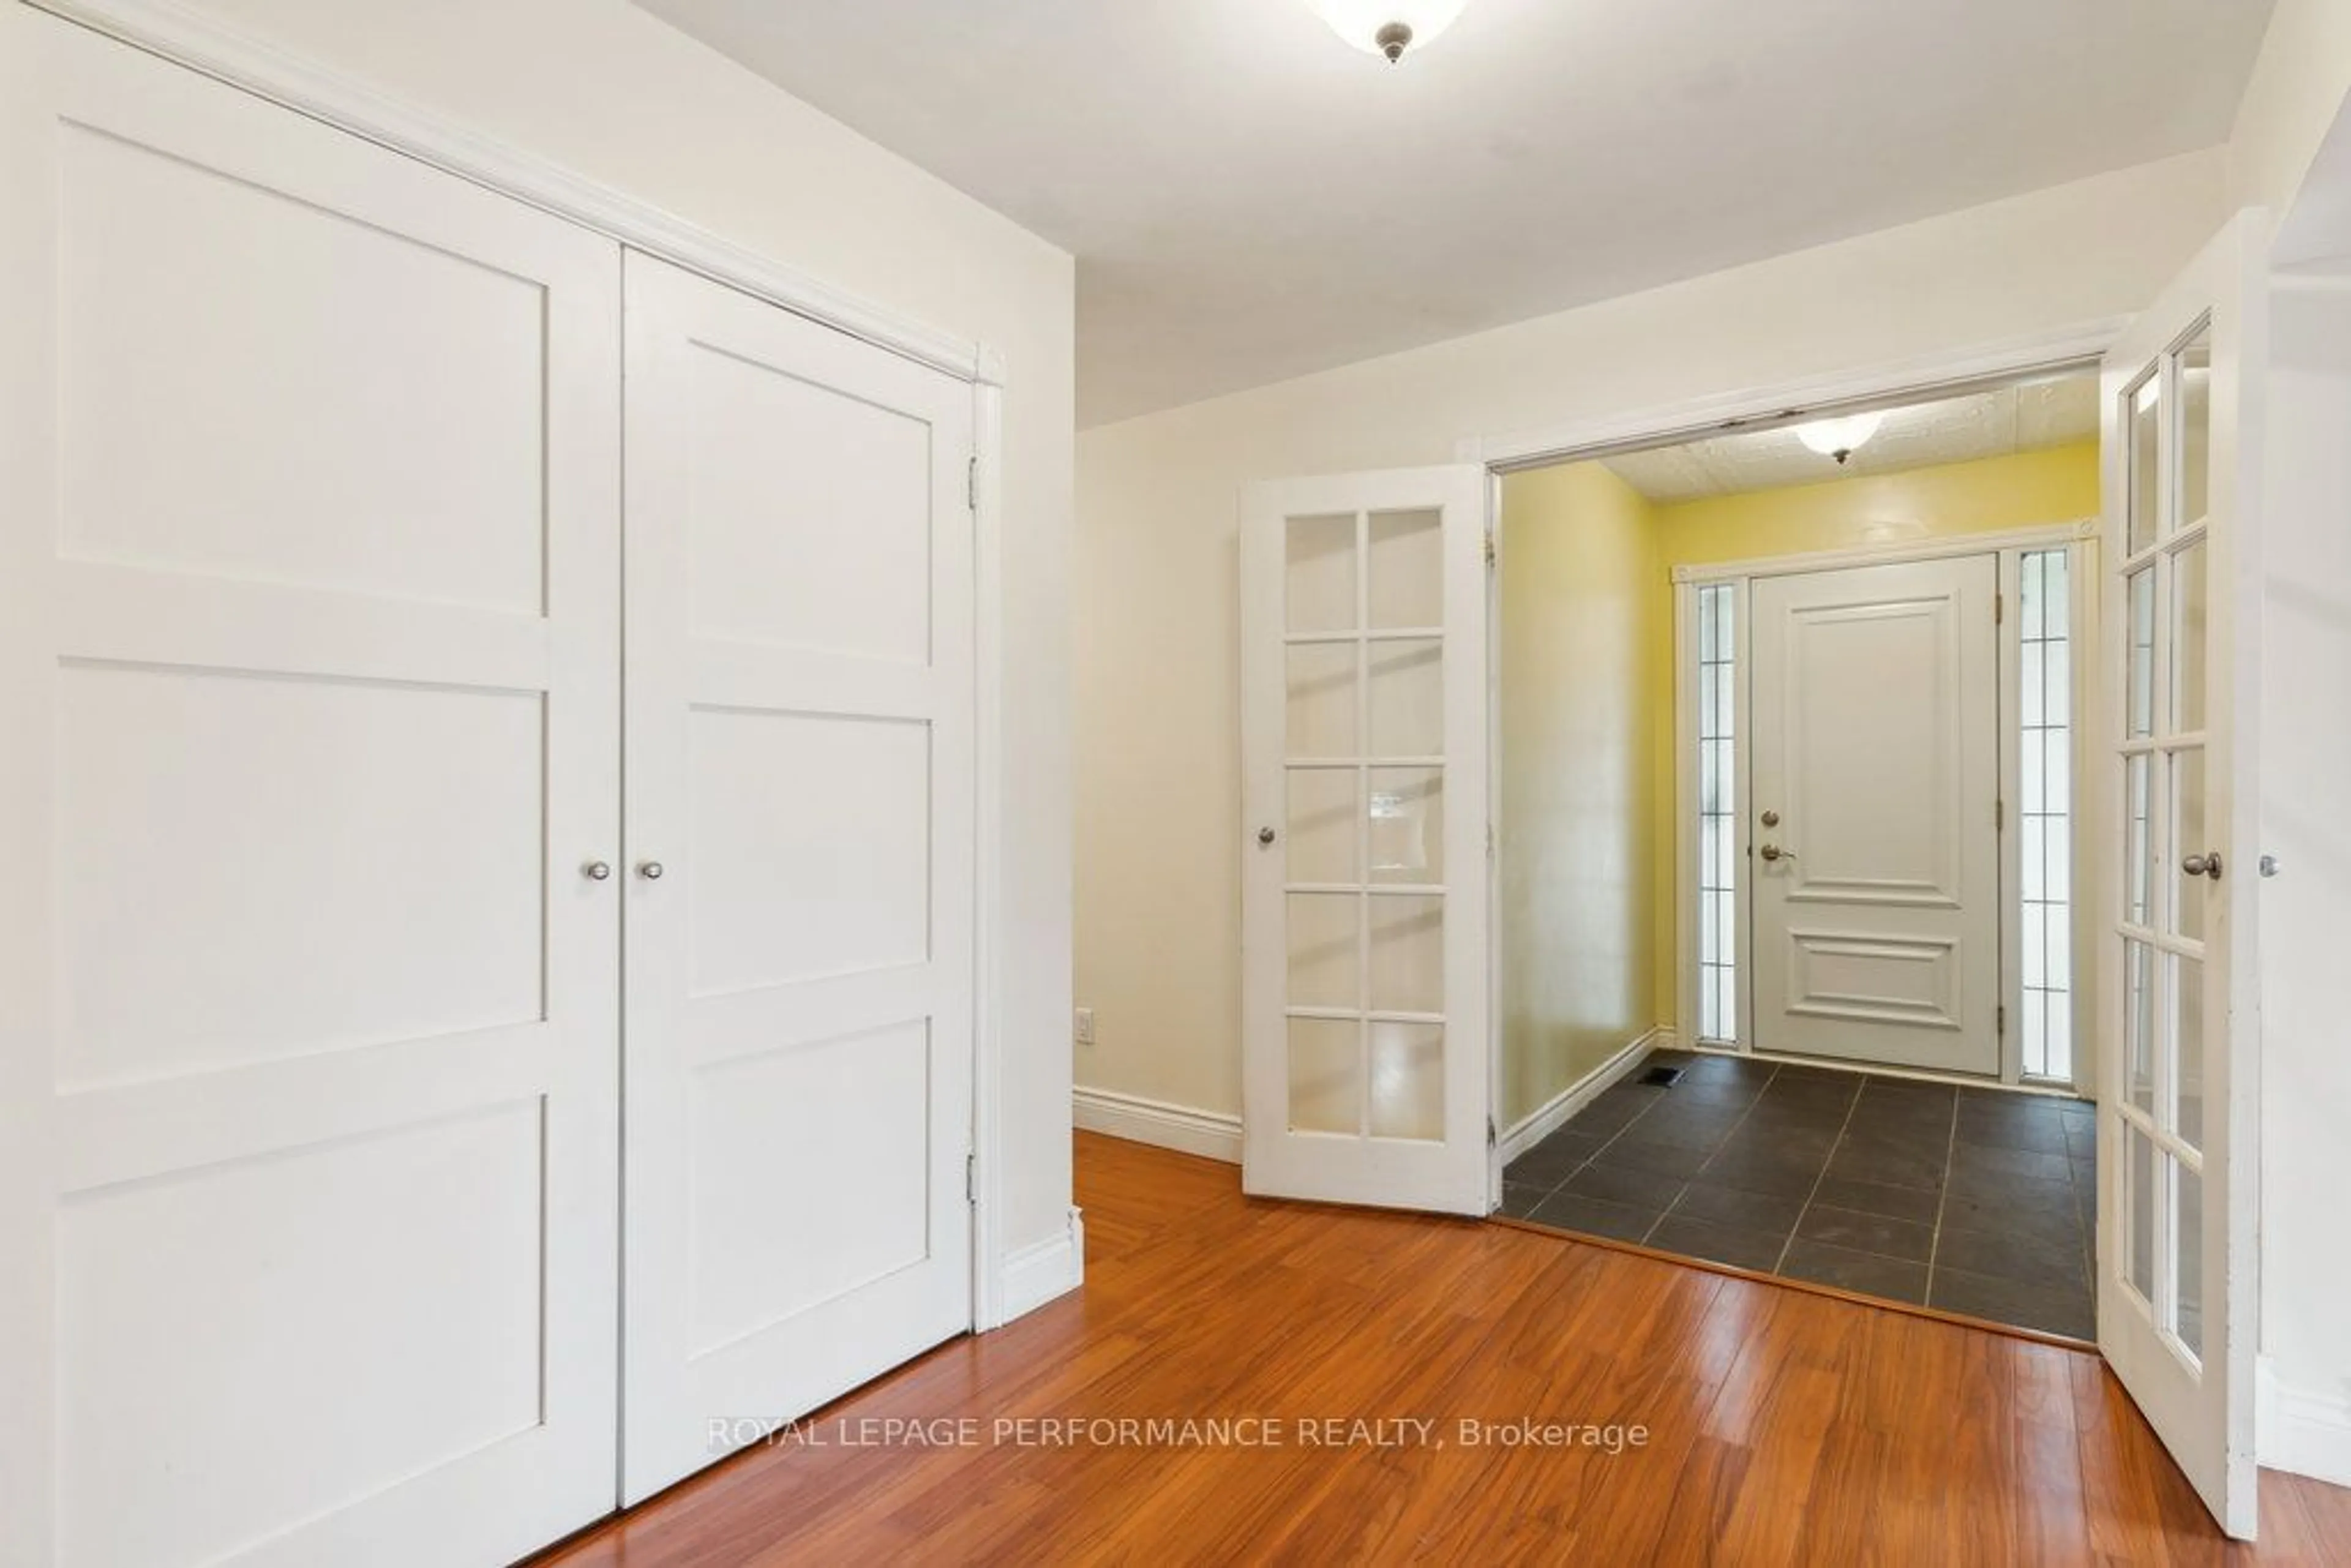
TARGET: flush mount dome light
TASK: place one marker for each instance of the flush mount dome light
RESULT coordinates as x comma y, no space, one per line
1388,27
1839,438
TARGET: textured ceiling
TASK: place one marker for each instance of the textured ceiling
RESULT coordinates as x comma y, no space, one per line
1249,198
1953,430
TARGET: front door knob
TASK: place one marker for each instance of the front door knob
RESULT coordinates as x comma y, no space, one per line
2206,864
1774,852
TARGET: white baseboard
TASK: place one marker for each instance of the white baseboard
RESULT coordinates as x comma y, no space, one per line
1042,1270
2301,1430
1526,1133
1185,1128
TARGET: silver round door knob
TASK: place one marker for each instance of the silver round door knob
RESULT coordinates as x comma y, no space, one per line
597,870
651,871
1265,835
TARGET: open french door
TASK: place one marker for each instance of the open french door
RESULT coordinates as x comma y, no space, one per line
1363,700
2178,1000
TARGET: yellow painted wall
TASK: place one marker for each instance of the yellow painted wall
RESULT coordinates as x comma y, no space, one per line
2030,490
1579,636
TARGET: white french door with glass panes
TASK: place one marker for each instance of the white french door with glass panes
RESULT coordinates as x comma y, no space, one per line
2178,1007
1363,614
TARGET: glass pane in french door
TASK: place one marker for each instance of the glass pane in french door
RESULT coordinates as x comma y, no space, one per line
2165,870
1365,846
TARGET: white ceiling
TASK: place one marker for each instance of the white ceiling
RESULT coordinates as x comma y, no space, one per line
1251,199
1953,430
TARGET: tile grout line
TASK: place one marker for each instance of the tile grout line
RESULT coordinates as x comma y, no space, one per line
1781,1261
1586,1163
1729,1133
1943,1196
1719,1146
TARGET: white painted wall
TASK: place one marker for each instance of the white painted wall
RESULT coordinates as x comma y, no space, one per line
2291,151
1158,807
2306,758
2292,100
604,89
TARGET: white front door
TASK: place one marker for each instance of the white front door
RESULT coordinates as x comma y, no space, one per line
801,791
2178,1004
1365,1049
308,680
1872,814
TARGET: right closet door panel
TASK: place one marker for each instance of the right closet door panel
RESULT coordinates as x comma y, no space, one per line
800,818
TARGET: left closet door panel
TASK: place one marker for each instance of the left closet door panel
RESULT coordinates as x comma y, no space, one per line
308,682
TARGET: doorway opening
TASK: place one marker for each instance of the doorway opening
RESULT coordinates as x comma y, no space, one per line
1787,725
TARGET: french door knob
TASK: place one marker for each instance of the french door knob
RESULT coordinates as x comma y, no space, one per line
597,870
2206,864
651,871
1774,852
1265,835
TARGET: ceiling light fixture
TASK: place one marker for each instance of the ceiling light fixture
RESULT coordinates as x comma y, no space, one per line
1388,27
1839,438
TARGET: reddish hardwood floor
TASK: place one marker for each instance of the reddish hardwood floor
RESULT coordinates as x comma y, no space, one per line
1783,1427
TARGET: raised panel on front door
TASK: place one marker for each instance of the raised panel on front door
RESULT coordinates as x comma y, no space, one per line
799,766
1871,722
1873,978
309,668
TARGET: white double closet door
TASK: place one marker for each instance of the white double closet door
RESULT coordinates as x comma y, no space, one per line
313,1085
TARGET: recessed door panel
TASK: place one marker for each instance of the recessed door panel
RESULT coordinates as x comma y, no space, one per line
401,827
231,1313
823,543
209,416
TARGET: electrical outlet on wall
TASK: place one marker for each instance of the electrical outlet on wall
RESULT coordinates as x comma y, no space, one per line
1085,1026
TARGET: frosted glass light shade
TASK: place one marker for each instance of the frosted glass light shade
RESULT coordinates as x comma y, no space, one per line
1839,438
1360,21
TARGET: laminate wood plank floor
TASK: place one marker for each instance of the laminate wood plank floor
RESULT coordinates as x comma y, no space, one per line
1780,1426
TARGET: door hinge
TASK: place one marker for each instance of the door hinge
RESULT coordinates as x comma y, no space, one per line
2000,816
971,484
1489,549
1998,607
1489,1130
971,1178
1999,1020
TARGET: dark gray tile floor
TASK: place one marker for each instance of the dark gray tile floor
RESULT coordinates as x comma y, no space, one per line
1980,1201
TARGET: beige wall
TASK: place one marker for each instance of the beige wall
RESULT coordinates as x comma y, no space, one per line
602,88
1579,824
1158,803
